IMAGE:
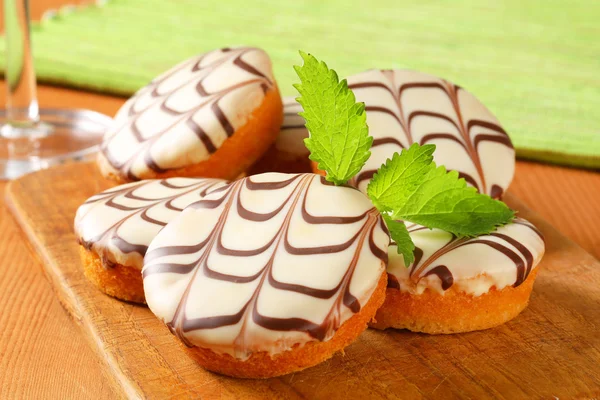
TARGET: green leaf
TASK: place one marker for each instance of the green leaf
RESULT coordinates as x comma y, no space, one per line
339,138
401,176
410,187
400,235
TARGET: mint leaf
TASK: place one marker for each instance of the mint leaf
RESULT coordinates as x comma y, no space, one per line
410,187
448,204
400,235
339,138
396,180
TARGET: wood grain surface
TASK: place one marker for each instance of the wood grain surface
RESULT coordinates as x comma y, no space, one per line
42,354
552,349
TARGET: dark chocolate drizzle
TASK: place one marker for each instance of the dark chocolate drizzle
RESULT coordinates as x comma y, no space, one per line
112,199
195,68
442,272
232,202
468,137
291,110
522,258
292,123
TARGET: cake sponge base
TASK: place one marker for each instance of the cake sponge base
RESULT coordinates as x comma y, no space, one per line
120,281
454,311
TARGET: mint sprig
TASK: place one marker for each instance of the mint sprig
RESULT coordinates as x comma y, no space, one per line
339,139
409,186
397,179
402,238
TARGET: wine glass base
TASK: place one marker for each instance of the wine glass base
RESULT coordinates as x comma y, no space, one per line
61,135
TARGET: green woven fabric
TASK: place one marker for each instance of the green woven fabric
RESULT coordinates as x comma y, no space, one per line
534,63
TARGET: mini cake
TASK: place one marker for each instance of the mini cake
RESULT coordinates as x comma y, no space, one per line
288,153
115,227
461,285
213,115
269,275
404,107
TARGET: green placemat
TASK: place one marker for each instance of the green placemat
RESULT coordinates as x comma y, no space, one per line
535,64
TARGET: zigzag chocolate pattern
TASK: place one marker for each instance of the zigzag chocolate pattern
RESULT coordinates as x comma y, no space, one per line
266,263
119,223
404,107
504,257
185,115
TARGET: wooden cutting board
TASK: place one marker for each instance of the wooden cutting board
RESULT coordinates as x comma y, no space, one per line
551,350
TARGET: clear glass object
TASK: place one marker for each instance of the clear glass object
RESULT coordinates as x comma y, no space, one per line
32,138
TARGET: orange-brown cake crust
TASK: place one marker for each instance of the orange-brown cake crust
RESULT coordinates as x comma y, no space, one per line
262,365
237,154
453,312
315,168
120,281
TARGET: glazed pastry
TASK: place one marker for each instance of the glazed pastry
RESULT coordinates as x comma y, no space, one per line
213,115
288,153
461,285
115,227
269,275
404,107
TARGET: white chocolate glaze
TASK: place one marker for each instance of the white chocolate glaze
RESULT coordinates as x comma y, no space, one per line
185,114
266,263
503,258
293,132
405,107
119,223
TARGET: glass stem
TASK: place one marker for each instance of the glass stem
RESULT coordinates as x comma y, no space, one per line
21,101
